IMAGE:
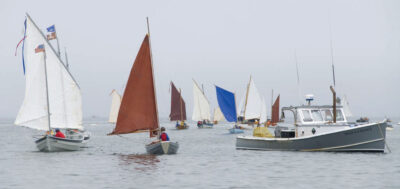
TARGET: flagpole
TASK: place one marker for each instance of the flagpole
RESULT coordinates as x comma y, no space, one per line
66,58
58,43
47,89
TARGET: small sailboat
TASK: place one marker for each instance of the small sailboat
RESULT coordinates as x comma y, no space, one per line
178,108
115,104
201,108
250,106
218,116
227,103
138,111
275,111
52,96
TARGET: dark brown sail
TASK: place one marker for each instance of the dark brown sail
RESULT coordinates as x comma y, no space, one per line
138,109
275,111
178,110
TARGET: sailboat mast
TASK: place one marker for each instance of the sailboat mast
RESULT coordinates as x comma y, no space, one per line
245,104
66,58
58,43
152,70
47,90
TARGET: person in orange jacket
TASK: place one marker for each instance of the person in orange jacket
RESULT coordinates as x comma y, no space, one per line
59,134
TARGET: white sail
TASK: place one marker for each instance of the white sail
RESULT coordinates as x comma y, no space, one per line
240,110
252,108
263,117
115,103
201,109
346,107
64,93
218,116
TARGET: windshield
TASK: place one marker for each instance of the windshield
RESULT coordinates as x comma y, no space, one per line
316,114
306,116
327,115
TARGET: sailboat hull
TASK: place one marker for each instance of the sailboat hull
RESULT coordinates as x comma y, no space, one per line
366,138
55,144
235,131
164,147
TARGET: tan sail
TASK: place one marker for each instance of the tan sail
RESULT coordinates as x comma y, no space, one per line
138,109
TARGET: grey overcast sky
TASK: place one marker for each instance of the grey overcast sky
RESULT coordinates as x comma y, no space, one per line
217,42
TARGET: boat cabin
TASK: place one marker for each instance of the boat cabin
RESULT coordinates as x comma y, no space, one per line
315,115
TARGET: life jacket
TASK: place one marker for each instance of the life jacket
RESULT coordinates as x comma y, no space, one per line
59,134
164,137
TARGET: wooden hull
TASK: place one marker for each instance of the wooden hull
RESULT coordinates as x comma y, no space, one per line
164,147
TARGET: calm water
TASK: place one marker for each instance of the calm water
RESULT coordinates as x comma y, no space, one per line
207,158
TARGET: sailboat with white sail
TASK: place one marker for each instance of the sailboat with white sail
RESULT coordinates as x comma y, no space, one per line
115,104
227,103
218,116
138,111
52,96
178,108
201,107
250,106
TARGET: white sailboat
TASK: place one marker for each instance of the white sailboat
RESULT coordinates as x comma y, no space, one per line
251,105
115,104
346,107
201,108
218,116
263,116
52,96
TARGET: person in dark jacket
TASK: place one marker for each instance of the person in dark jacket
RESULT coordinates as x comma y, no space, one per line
164,135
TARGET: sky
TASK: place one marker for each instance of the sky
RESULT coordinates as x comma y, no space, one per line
218,43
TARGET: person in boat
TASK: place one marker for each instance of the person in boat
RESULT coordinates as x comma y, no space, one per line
177,124
59,134
164,135
199,123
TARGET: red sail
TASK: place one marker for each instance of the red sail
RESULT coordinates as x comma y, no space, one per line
178,110
138,110
275,111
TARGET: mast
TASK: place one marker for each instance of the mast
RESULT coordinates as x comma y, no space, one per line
58,43
331,45
272,101
152,69
245,103
334,103
47,89
66,59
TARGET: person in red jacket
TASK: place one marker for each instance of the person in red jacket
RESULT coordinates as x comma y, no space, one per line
59,134
164,135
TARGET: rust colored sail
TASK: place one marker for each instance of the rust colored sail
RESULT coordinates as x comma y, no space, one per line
275,111
138,109
178,110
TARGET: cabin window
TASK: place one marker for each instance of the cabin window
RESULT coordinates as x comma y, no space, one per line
306,116
327,115
339,115
316,114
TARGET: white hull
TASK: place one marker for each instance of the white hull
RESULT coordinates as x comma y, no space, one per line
55,144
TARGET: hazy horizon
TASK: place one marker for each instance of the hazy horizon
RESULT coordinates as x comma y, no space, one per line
218,43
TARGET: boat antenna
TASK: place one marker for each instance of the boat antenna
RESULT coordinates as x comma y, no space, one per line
298,76
331,46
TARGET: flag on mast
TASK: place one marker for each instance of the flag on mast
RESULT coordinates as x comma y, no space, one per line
51,33
39,48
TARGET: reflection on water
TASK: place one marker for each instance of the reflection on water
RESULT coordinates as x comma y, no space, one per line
141,162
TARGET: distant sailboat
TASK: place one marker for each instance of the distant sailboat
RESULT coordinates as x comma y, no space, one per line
227,103
178,108
201,107
52,96
275,111
263,118
250,107
138,111
115,104
218,116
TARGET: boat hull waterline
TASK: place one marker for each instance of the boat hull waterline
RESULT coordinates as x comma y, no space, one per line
55,144
164,147
364,138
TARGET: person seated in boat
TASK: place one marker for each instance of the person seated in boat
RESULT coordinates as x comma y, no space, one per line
164,135
177,124
59,134
199,123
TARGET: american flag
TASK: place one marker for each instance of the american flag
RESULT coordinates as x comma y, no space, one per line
40,48
52,33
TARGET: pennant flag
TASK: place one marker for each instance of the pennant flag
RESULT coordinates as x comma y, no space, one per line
52,33
40,48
